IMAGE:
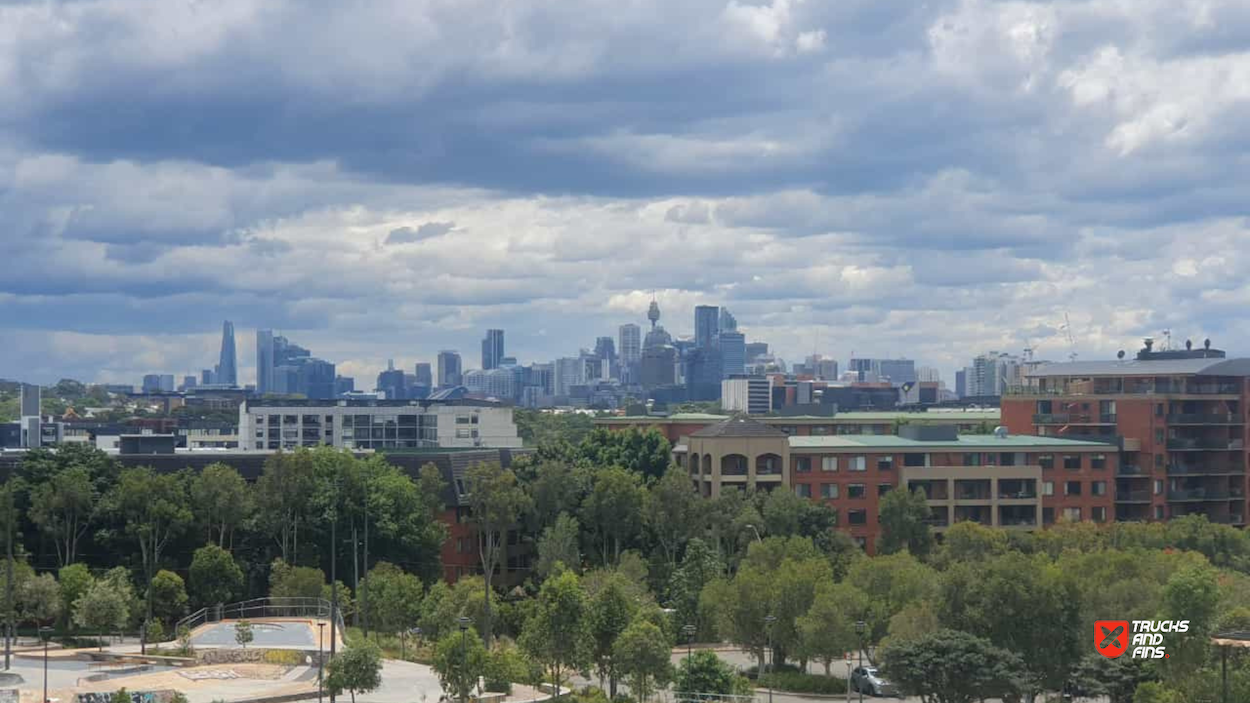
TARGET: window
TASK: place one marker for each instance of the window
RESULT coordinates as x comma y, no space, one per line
1098,461
1048,516
803,464
1158,461
1158,409
828,490
1048,488
1043,407
1158,436
913,460
828,463
1046,461
972,459
1098,514
1098,488
1006,459
885,463
883,488
855,490
1158,512
1072,488
1158,487
856,463
803,490
1072,514
1072,461
857,517
820,430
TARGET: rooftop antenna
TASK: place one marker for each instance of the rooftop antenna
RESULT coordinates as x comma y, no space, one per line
1167,340
1067,328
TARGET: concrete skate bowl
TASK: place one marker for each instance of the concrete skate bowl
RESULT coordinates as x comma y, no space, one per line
9,680
284,634
276,623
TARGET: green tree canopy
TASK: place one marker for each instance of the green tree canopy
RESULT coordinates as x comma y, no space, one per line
904,525
557,635
949,666
215,576
641,654
356,670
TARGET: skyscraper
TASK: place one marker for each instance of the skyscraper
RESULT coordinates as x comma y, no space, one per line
448,369
630,338
227,372
492,349
392,382
567,372
264,361
424,375
605,349
728,323
733,353
706,325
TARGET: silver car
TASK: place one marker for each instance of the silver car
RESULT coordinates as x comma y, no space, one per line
866,679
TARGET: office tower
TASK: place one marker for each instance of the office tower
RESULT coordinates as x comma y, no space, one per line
605,349
542,377
344,384
755,350
317,379
733,353
748,394
992,373
567,373
30,400
188,383
629,337
392,382
227,372
961,383
728,323
659,366
424,376
703,373
206,377
492,349
158,383
264,361
706,325
898,371
448,369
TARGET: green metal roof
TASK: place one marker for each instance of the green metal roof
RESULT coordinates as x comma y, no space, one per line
970,442
933,417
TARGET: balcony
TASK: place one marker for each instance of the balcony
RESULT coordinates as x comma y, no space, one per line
1200,494
942,521
1132,496
1179,470
1074,419
1017,490
1201,444
1204,419
1130,470
1081,388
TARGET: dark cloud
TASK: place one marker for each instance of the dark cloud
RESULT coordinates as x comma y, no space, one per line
407,235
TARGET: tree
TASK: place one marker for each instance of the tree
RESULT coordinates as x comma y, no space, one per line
62,509
610,612
892,582
357,670
222,501
283,494
554,488
644,452
704,672
949,666
1117,679
613,511
796,582
1191,594
286,581
169,596
827,630
699,567
394,598
559,545
914,621
642,657
103,608
557,635
243,633
459,659
671,512
496,503
215,577
444,605
74,580
740,606
969,540
904,525
39,600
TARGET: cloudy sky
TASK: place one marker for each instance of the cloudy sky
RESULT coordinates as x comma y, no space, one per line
387,178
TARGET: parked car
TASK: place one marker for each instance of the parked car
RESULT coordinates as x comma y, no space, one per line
866,679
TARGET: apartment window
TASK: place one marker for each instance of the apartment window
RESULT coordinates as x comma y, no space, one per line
857,463
462,419
883,488
1158,512
1158,436
1098,488
828,463
913,460
1158,487
857,517
1006,459
1048,488
462,434
829,490
1072,488
1046,461
1158,461
803,490
1098,514
1158,409
1098,461
788,429
803,464
972,459
1043,407
855,490
1072,514
1072,461
885,463
1048,516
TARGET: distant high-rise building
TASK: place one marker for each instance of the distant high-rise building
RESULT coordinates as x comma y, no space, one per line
424,374
392,383
605,349
659,366
492,349
158,383
706,325
733,353
630,342
264,361
227,372
448,369
961,383
728,323
31,399
189,382
344,384
755,350
703,373
928,374
207,377
992,373
749,394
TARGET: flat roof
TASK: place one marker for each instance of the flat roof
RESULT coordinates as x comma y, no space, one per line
969,442
366,403
1149,367
934,416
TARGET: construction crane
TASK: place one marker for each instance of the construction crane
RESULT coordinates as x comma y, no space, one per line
1067,329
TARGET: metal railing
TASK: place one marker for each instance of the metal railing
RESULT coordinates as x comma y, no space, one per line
1130,470
1204,419
1205,470
1139,389
259,608
1200,444
1132,496
1201,494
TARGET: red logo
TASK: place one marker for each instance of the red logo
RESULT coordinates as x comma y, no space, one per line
1111,637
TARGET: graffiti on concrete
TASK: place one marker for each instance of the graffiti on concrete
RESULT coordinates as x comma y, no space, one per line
8,695
135,697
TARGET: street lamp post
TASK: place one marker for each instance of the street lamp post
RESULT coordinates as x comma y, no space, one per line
689,631
321,662
45,633
756,531
464,655
769,620
860,627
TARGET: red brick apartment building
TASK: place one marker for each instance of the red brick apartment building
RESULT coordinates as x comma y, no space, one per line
1009,481
678,425
1176,418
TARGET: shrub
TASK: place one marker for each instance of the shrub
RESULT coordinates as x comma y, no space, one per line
796,682
284,657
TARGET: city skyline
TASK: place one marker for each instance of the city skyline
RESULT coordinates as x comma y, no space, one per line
834,200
